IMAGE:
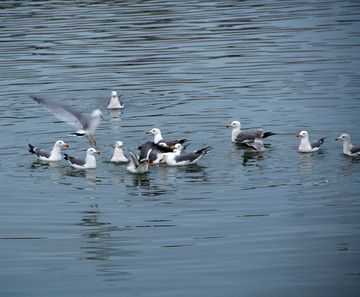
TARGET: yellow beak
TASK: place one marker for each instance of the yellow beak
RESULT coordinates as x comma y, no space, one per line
66,145
148,132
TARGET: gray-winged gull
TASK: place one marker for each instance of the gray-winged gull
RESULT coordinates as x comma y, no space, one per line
115,101
118,155
86,124
157,151
177,158
305,145
239,136
53,155
348,148
83,163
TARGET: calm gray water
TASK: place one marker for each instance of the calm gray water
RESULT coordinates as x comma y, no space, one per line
279,223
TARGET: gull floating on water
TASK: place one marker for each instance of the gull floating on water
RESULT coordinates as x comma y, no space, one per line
86,124
158,138
138,165
178,158
118,155
115,101
157,151
239,136
305,145
83,163
258,144
53,155
348,148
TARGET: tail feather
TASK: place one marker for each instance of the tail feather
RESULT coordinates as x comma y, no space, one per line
66,157
31,148
204,150
267,134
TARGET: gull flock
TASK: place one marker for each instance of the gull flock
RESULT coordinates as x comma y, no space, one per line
160,150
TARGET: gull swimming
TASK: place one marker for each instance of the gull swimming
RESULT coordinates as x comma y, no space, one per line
158,138
86,124
348,148
305,145
83,163
239,136
177,158
138,165
115,101
118,155
53,155
258,144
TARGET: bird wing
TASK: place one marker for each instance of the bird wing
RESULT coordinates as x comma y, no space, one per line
317,143
41,153
355,150
64,113
245,136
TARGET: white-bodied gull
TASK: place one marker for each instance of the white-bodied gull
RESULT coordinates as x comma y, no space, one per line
177,157
158,138
86,124
53,155
115,101
348,148
305,145
83,163
118,155
138,165
257,144
239,136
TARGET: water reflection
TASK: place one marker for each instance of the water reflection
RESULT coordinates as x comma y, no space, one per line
89,174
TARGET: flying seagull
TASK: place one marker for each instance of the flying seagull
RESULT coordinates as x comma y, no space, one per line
86,124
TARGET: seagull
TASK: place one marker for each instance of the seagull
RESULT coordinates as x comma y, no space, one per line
53,155
348,148
86,124
83,163
118,156
157,151
115,103
258,144
305,145
138,165
239,136
158,138
178,158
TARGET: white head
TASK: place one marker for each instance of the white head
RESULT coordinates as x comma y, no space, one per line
344,137
119,144
303,134
96,113
234,124
177,147
61,143
113,94
154,131
91,151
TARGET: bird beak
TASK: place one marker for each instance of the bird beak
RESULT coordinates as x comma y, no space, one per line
298,135
337,138
148,132
228,126
162,159
97,152
66,145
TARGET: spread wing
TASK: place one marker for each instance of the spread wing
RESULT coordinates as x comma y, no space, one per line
64,113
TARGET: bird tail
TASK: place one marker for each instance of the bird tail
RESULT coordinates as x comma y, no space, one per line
322,140
31,148
77,134
204,150
66,157
182,140
267,134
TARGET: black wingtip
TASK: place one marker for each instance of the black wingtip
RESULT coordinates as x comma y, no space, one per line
31,148
66,157
183,140
267,134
